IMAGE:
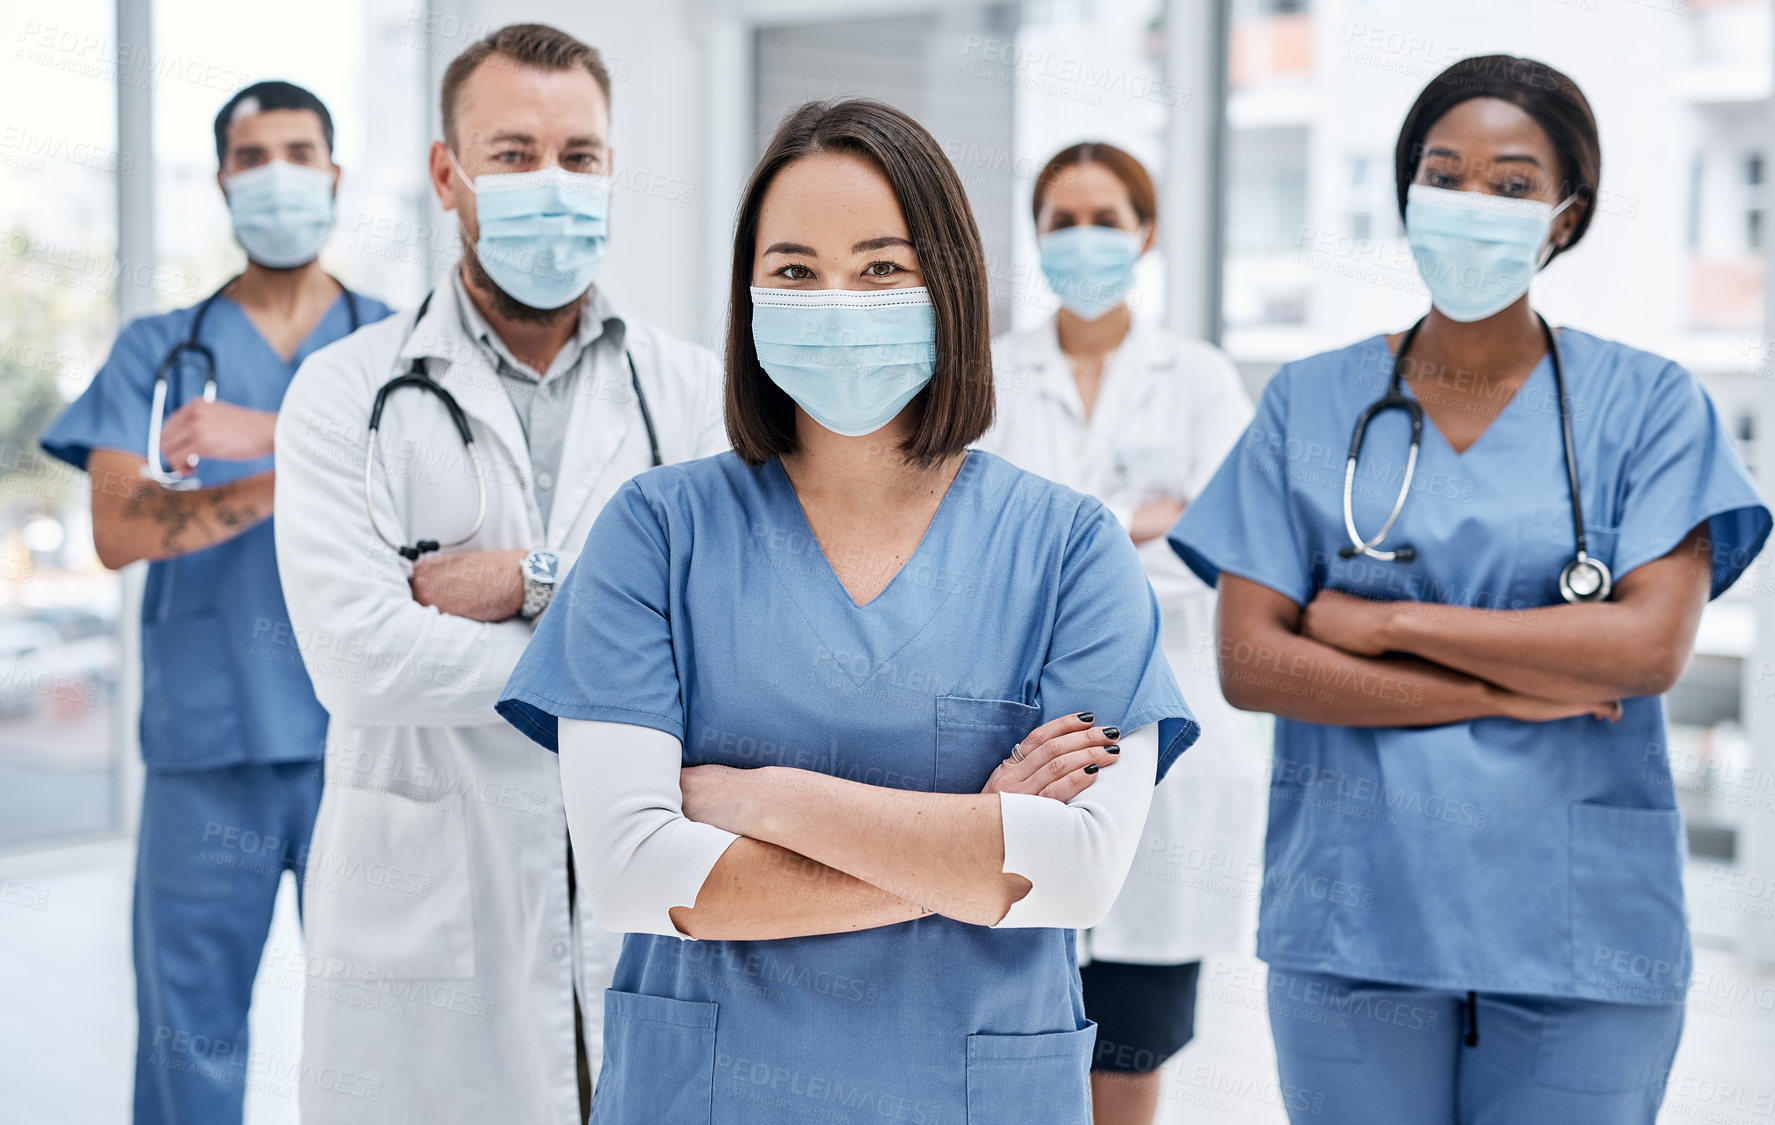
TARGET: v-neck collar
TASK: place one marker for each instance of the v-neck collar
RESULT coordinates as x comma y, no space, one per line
788,486
1534,375
303,346
880,629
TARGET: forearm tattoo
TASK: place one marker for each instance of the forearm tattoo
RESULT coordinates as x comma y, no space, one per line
190,521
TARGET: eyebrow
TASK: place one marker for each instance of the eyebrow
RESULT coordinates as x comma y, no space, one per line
882,243
527,139
1507,158
863,247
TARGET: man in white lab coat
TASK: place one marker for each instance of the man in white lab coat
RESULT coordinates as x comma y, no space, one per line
449,977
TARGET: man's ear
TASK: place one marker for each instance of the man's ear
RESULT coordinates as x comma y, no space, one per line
443,178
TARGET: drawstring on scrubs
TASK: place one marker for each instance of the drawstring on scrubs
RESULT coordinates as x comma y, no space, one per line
1472,1019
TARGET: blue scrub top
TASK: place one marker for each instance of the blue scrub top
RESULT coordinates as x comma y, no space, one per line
1493,855
702,606
222,676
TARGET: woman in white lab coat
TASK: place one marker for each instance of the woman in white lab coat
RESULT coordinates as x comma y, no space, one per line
1114,406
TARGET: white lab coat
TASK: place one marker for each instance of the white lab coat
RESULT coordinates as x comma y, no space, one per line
1167,412
441,955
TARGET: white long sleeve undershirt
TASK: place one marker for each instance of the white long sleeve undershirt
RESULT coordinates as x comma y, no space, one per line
1076,855
626,815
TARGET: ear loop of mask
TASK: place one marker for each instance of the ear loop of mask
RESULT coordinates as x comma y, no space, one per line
466,178
468,181
1547,251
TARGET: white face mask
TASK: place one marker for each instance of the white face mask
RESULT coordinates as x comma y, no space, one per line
1477,252
851,358
542,233
282,212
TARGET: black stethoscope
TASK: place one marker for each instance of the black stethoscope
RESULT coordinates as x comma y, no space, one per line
416,377
163,389
1583,579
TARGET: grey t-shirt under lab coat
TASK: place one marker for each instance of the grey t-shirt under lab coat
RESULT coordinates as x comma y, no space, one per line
540,400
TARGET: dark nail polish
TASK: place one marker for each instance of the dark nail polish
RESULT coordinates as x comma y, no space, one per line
1112,732
1087,717
1092,768
1112,749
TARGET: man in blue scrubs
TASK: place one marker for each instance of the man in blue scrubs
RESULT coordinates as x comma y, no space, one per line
231,732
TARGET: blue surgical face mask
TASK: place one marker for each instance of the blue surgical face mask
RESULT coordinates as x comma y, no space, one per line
1090,268
542,233
851,358
282,212
1476,252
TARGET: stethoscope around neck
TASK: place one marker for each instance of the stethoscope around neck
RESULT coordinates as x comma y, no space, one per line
1583,579
416,377
192,345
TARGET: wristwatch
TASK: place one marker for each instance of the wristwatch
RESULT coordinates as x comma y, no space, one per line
538,568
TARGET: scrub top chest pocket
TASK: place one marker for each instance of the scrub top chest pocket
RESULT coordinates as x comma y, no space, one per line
1543,546
974,736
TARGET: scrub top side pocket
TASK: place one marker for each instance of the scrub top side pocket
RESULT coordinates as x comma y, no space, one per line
395,902
191,717
1015,1079
1630,940
974,736
659,1061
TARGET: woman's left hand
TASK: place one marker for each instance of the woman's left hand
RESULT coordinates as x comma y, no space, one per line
1341,620
715,795
1060,759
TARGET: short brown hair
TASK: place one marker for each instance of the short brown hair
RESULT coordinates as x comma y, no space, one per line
956,408
1120,163
526,44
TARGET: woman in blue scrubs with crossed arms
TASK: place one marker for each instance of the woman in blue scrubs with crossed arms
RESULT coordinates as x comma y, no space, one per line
1473,906
818,700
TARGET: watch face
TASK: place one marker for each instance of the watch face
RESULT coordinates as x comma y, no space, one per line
539,566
